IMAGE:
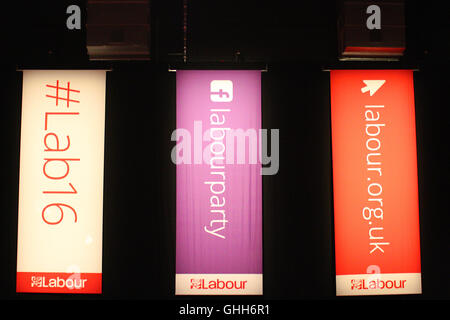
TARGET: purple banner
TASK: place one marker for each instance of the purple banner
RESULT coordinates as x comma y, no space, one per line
219,183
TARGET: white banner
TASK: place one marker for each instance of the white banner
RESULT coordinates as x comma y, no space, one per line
61,181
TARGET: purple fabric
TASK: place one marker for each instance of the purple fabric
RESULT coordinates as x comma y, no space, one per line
198,251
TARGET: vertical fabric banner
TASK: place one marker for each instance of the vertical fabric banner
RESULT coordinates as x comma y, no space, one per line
376,206
219,183
61,182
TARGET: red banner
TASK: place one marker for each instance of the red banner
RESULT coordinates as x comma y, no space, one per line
375,182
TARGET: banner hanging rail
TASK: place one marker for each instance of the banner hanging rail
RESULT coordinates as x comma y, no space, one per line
370,66
215,66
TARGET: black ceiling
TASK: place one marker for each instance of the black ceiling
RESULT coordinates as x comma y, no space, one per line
35,33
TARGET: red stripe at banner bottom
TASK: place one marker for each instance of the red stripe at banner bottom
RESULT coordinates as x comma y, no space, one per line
59,282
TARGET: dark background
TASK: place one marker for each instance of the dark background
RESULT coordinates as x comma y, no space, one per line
296,40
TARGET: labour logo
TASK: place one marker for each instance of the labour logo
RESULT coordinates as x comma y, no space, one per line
196,283
36,281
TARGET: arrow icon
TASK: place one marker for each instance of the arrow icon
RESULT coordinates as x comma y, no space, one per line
372,86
